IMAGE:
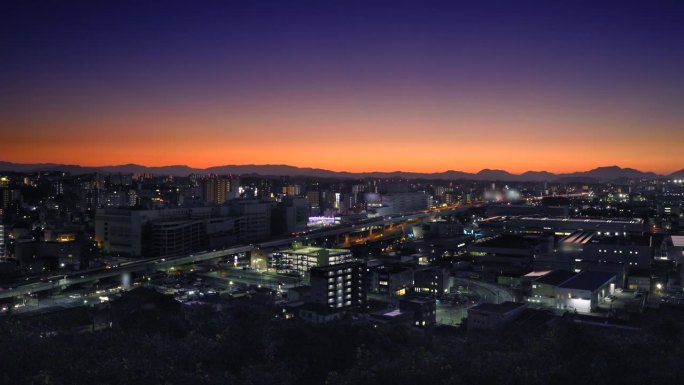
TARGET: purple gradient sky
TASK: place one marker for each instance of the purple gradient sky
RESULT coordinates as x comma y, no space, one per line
358,86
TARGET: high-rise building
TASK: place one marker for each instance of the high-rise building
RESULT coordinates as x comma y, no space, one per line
133,198
5,193
3,252
313,198
217,190
291,189
339,286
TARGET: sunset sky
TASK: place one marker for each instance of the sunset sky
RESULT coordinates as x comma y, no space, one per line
358,86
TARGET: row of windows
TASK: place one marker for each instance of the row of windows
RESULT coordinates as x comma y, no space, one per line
616,251
341,271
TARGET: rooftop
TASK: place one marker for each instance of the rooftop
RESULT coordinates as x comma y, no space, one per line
319,308
394,268
301,289
606,238
312,251
338,266
678,240
588,280
555,278
587,220
501,308
509,241
579,237
537,273
393,313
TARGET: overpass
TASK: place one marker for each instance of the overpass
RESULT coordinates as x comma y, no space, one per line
149,264
61,281
390,221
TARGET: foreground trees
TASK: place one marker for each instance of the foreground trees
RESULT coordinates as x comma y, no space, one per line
247,345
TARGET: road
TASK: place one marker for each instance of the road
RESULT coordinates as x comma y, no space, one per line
488,292
254,278
160,263
481,292
64,301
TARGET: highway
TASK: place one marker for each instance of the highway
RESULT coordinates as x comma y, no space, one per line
148,264
161,263
359,226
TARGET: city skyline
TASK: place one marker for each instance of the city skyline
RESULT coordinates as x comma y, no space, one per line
355,87
308,192
606,172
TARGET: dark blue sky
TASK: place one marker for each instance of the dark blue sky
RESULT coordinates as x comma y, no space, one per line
545,72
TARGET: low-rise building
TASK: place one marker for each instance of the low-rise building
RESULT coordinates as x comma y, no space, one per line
433,281
392,280
639,279
508,253
488,316
543,288
583,292
319,314
598,251
424,310
300,259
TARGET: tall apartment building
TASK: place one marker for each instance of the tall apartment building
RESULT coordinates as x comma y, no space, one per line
3,252
219,190
5,194
313,198
339,286
216,190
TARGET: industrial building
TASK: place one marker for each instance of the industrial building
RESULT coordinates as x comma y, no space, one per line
508,253
177,231
613,252
568,291
583,292
570,225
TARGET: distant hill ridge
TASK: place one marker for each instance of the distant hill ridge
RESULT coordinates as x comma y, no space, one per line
609,173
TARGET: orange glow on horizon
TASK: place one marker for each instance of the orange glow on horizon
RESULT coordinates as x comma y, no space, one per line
414,155
345,137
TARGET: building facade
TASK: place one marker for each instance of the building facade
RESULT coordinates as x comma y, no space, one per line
339,286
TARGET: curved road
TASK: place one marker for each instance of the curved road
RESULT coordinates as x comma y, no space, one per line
487,292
